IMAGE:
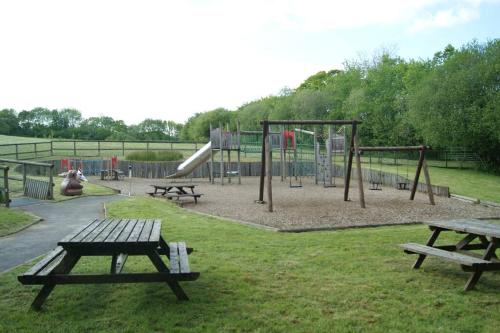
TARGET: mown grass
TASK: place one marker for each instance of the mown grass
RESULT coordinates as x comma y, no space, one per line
254,280
154,156
12,220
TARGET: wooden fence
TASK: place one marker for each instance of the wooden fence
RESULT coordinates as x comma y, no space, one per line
248,169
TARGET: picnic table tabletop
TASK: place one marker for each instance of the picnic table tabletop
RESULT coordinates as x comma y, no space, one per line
471,226
114,235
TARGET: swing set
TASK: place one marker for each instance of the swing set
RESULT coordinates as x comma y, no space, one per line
402,184
266,158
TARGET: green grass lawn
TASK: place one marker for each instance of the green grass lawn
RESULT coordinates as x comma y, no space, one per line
12,220
254,280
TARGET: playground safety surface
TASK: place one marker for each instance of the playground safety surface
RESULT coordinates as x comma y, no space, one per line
313,206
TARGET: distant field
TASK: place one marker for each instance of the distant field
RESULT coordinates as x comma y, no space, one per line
7,139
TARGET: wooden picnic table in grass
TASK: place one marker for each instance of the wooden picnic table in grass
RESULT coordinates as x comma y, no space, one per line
171,191
117,238
486,235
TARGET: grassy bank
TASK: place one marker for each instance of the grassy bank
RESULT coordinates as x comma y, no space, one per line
12,220
260,281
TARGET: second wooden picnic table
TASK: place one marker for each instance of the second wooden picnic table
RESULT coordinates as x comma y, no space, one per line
486,233
177,191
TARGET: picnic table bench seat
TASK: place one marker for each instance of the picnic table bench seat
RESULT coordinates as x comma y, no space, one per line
467,262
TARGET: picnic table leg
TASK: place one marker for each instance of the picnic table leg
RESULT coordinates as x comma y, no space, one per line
430,242
490,252
64,267
161,267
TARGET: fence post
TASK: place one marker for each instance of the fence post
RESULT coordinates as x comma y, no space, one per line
74,148
24,175
123,148
51,182
17,151
147,146
36,150
51,148
6,186
445,159
98,148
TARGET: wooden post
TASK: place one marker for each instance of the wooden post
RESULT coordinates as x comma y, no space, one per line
74,148
51,148
123,148
51,182
239,150
269,173
265,131
147,146
316,157
6,186
229,166
330,147
17,151
211,157
221,147
417,173
428,182
36,150
282,154
24,175
349,162
359,172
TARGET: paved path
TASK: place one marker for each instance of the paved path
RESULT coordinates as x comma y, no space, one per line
59,219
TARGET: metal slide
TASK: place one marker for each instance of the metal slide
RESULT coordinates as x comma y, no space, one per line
194,161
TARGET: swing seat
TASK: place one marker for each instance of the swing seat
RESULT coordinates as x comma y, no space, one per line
375,186
295,186
403,185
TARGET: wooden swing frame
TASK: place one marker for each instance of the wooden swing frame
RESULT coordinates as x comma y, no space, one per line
422,164
266,158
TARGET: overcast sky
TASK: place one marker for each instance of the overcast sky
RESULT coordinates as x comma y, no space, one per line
170,59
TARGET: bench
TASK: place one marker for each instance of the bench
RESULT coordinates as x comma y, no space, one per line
38,274
467,262
117,238
116,174
195,196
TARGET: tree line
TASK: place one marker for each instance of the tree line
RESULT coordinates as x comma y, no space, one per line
450,100
69,124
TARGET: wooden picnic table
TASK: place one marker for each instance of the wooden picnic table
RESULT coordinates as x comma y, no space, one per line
479,235
117,238
171,191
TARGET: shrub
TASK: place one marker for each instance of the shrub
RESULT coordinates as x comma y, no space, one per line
154,156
